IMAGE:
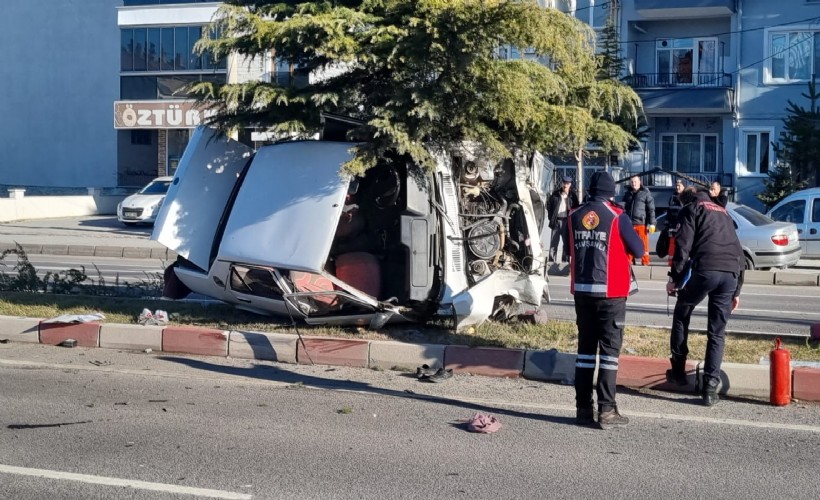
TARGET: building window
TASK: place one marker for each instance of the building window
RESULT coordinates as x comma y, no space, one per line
756,151
686,61
129,3
168,86
141,137
591,12
689,153
793,56
164,49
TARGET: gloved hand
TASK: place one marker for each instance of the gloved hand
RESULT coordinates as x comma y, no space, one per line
671,290
651,228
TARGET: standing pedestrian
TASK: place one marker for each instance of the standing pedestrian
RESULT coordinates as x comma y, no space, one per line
717,194
672,212
561,202
601,239
639,205
709,251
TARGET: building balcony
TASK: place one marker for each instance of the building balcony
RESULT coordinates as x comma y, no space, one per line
682,9
665,94
682,80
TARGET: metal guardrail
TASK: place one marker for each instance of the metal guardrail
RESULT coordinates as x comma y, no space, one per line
683,80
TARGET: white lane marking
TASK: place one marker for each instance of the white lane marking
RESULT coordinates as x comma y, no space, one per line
124,483
644,288
701,307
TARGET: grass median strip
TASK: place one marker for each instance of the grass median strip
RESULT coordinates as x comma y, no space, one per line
561,335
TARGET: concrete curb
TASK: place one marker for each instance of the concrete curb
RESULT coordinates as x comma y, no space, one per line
392,355
128,252
268,346
548,366
744,380
18,329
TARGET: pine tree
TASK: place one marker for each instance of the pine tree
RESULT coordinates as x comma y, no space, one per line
798,152
610,62
424,75
781,183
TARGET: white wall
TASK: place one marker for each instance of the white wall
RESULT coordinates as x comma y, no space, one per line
59,77
21,207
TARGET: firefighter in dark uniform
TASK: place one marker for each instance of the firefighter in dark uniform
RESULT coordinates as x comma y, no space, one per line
601,240
708,250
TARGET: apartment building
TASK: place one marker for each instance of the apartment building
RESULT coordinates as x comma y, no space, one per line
715,77
95,100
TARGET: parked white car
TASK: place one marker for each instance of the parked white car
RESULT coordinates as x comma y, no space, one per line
802,208
281,231
143,206
766,243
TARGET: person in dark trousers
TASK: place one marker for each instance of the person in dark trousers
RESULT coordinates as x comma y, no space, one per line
639,205
601,240
672,212
559,205
717,194
708,246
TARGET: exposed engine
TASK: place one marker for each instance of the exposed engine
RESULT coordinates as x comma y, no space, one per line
493,224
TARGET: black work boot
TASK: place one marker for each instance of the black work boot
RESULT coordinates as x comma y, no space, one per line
610,418
585,416
677,375
710,391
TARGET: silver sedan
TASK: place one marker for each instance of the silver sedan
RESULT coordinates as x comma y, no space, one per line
766,243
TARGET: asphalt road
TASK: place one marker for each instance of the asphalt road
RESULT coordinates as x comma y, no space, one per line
764,309
101,424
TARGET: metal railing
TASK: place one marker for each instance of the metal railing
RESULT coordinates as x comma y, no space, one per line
663,80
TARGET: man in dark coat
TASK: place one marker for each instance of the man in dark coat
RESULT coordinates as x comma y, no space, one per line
717,194
671,227
639,206
559,205
708,262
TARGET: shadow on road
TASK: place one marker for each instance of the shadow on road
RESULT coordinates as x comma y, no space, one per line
276,374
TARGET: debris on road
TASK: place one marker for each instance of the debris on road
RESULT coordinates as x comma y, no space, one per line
484,424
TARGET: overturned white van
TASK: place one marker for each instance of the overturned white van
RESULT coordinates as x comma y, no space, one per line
282,231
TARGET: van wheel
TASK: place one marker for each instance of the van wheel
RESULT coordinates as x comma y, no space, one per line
749,264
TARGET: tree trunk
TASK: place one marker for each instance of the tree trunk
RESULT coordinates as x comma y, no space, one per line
579,174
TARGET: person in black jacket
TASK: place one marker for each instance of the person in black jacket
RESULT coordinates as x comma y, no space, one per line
671,227
559,205
717,194
639,206
708,247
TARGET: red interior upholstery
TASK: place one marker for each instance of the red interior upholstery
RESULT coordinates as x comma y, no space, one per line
361,270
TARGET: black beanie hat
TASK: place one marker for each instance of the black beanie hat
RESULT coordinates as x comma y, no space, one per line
602,184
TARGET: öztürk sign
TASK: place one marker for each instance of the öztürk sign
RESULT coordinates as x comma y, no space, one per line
158,114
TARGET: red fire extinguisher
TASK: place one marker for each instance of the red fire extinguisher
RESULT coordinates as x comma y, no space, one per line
780,375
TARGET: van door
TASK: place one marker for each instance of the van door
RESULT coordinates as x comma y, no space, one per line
812,232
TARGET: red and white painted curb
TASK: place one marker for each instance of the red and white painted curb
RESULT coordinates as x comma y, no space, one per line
549,366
